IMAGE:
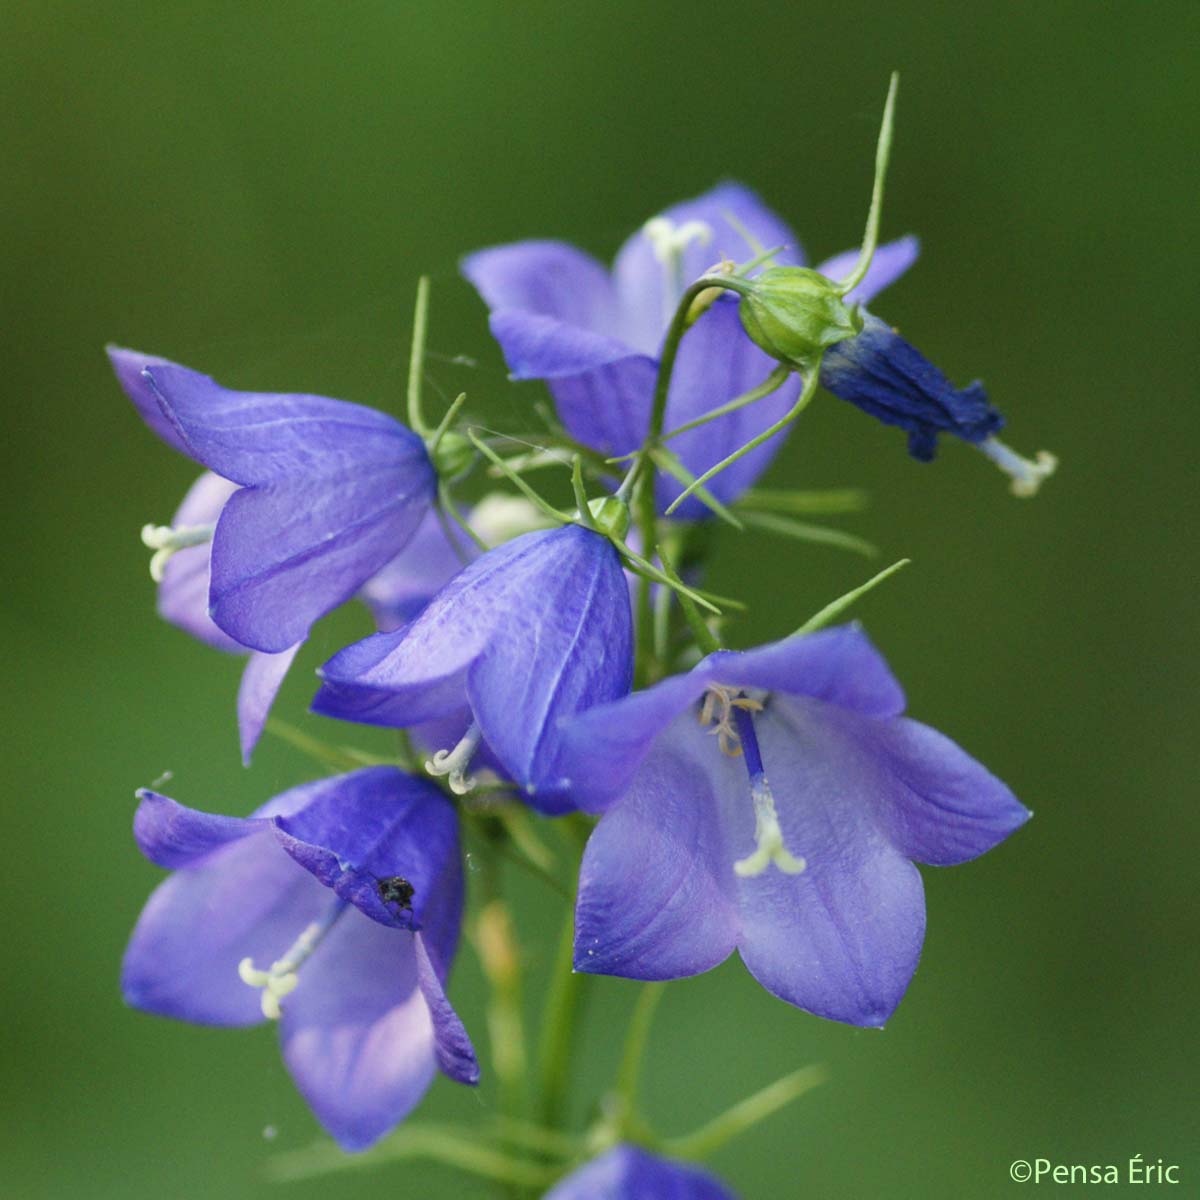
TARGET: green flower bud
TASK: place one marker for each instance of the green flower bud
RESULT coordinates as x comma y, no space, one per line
611,515
452,455
794,314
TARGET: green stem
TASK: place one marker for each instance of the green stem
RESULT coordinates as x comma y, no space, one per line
637,1037
744,1114
810,390
559,1027
416,359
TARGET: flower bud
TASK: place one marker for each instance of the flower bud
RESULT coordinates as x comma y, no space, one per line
795,313
611,515
452,455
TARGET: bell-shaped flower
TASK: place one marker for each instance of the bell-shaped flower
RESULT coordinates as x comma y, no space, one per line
533,632
629,1173
328,493
335,909
774,802
595,336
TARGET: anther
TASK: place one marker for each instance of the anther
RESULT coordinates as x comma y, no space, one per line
719,710
1027,474
454,763
167,540
284,974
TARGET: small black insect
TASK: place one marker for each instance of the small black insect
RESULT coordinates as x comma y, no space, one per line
395,889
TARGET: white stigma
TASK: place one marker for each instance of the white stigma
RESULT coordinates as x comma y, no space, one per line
284,974
768,837
718,711
454,763
1027,475
168,540
669,242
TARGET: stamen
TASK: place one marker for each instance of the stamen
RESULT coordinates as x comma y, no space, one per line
1027,475
670,241
719,709
768,836
166,541
284,974
455,762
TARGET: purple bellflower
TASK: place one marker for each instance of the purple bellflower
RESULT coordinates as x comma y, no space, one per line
595,336
335,909
328,493
627,1173
532,632
808,873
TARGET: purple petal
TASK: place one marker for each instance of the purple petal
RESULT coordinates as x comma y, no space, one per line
547,279
260,685
841,939
603,747
183,592
656,887
717,362
286,554
243,899
608,408
530,633
627,1173
538,347
839,666
173,836
452,1047
357,1034
374,824
260,437
129,366
937,804
889,262
565,646
426,564
646,304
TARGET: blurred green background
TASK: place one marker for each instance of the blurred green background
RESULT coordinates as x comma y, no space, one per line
252,189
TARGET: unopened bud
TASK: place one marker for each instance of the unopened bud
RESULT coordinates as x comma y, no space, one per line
452,455
795,313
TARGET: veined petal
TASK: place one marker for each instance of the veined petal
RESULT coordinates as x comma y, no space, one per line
374,824
129,366
838,665
842,938
657,891
547,279
399,591
936,803
357,1033
261,437
889,262
540,347
608,407
628,1173
261,681
240,899
566,646
646,298
452,1045
717,362
284,555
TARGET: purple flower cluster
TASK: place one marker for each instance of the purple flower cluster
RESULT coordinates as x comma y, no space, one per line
771,801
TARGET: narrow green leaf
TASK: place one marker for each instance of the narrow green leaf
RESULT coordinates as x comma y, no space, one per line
803,531
831,612
805,503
